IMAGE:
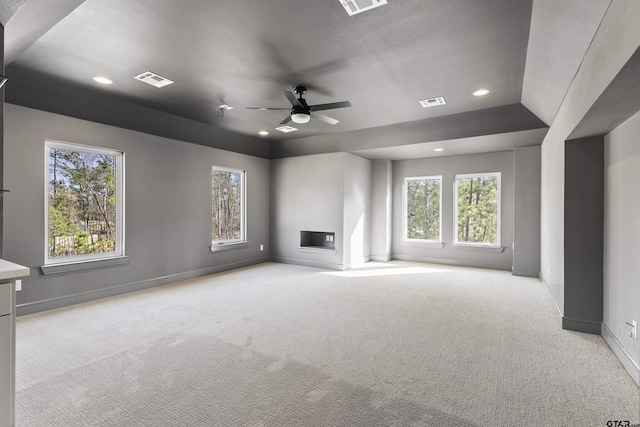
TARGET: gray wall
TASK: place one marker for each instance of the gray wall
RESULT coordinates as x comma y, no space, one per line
616,40
448,167
323,192
621,236
381,224
526,211
168,196
1,138
583,227
307,193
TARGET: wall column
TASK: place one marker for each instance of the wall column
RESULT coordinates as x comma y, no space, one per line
526,211
583,234
381,197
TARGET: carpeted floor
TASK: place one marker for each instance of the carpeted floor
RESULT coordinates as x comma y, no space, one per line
397,344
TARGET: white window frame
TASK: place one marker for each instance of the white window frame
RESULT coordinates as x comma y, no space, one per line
498,175
405,224
241,242
119,251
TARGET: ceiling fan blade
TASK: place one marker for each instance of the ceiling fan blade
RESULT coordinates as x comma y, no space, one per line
324,118
292,99
268,108
286,120
330,106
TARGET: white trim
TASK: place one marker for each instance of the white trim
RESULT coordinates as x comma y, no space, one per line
119,251
498,175
67,267
631,365
233,243
229,245
406,239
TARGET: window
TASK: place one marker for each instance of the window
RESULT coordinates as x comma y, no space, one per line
84,206
477,209
422,214
227,206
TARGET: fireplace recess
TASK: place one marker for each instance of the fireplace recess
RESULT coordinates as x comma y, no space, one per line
317,239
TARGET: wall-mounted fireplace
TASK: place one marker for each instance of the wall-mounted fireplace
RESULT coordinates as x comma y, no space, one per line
317,239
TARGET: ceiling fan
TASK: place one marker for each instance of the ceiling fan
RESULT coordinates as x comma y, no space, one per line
301,112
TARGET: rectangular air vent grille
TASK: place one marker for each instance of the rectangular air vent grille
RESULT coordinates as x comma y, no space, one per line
432,102
286,129
354,7
153,79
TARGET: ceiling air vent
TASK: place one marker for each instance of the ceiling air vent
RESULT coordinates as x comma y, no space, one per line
286,129
354,7
153,79
432,102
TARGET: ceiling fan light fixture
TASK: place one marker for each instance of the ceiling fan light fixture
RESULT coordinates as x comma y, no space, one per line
301,118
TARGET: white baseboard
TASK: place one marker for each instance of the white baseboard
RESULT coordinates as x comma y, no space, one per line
526,273
380,258
307,263
546,286
453,262
63,301
622,354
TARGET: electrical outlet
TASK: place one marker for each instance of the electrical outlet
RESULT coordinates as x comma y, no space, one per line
634,329
262,247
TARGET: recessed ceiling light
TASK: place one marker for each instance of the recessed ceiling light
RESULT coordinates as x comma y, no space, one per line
286,129
263,132
481,92
438,149
102,80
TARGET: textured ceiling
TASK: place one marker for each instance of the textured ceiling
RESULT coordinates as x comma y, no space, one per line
245,52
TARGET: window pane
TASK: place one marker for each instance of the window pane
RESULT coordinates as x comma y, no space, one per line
478,209
226,205
423,209
82,203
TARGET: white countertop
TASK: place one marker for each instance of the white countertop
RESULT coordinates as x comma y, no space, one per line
9,270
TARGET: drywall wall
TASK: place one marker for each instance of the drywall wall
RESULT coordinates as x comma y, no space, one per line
526,211
307,193
380,232
448,167
357,214
33,90
322,192
621,287
616,40
167,208
583,227
1,138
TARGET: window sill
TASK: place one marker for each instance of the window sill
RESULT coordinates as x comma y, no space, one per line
68,267
228,246
478,248
423,244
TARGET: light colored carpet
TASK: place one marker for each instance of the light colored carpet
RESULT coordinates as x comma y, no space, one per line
397,344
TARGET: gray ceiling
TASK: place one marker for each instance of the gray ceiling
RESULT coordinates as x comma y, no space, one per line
244,53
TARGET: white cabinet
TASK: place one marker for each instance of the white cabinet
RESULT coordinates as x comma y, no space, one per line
6,371
7,342
8,273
